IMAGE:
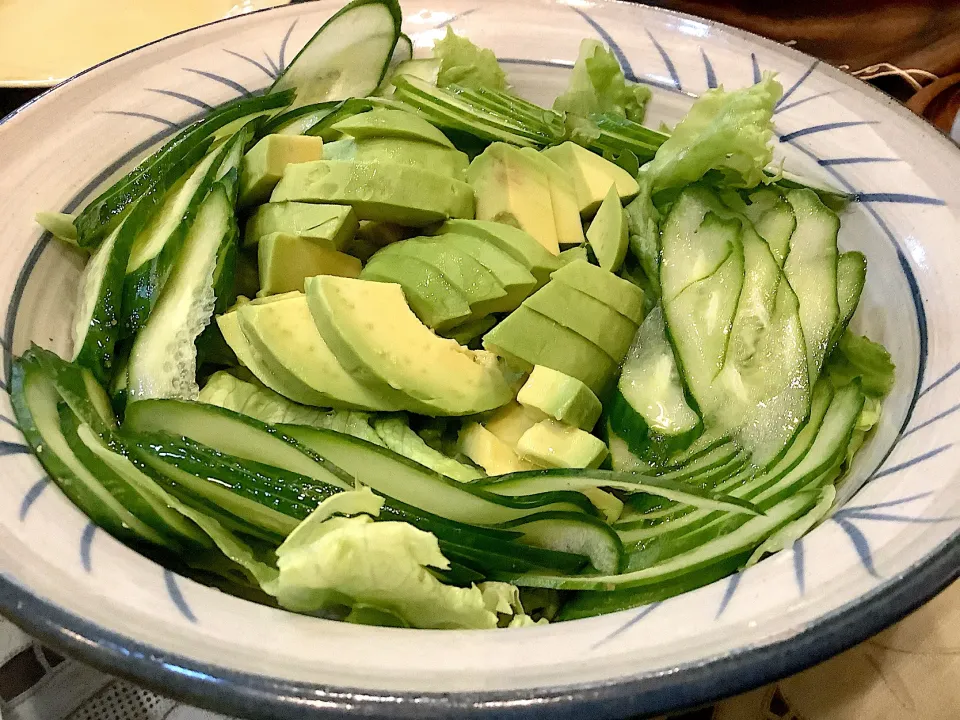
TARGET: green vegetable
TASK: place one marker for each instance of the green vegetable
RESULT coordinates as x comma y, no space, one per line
397,436
339,561
597,85
786,536
859,357
463,63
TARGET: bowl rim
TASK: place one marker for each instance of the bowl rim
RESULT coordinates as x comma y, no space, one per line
696,683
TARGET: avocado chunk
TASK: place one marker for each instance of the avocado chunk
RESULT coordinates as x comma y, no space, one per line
263,165
285,332
622,295
566,208
378,191
588,317
491,453
516,280
376,337
285,261
519,245
479,285
608,234
469,331
332,225
512,189
554,444
384,122
560,396
575,253
415,153
592,176
435,300
511,421
535,339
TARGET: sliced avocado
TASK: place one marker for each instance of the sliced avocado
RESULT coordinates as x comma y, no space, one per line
511,421
622,295
378,191
469,331
434,299
535,339
519,245
376,336
588,317
479,285
554,444
516,280
331,224
512,189
608,233
566,208
263,165
578,252
284,332
560,396
591,176
384,122
414,153
491,453
285,261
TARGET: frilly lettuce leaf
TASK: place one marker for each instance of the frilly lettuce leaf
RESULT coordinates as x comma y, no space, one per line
597,85
729,132
463,63
504,600
859,357
397,436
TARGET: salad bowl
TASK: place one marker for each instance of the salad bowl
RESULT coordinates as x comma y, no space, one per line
890,545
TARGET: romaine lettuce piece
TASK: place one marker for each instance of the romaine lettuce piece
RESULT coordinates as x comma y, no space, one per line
397,436
597,85
859,357
463,63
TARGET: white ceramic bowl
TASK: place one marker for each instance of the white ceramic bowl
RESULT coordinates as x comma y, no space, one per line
892,546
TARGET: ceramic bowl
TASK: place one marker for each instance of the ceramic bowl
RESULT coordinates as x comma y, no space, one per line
892,545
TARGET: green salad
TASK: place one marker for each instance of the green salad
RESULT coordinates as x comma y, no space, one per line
389,344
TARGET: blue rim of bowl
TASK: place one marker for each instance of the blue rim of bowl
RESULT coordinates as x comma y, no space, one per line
698,683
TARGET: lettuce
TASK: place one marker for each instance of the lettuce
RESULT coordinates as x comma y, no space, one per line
597,85
463,63
504,600
727,132
859,357
397,436
378,569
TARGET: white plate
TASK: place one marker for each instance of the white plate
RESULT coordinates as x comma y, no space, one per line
888,550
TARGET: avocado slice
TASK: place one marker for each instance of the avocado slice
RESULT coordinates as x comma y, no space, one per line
378,191
284,332
516,280
384,122
578,252
535,339
553,444
376,336
512,189
263,165
511,421
434,299
490,452
467,332
519,245
332,225
415,153
622,295
608,234
285,261
480,286
588,317
566,208
592,176
560,396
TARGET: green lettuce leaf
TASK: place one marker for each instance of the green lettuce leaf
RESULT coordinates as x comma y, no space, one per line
597,85
397,436
729,132
859,357
463,63
504,600
377,569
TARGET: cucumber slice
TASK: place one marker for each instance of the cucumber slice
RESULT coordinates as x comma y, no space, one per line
347,57
163,362
153,175
395,476
298,120
851,277
774,220
574,533
811,269
34,396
